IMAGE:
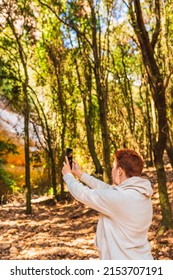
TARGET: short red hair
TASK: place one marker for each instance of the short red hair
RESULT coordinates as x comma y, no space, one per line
129,161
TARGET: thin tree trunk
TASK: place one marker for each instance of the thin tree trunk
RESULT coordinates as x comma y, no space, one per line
102,98
53,172
26,113
90,139
27,154
86,93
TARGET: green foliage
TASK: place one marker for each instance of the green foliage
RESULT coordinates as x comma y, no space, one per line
6,147
50,192
7,185
57,40
5,178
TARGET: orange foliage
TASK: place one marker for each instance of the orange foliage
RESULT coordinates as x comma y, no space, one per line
15,159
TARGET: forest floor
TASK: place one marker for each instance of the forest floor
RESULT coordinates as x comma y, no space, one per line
66,230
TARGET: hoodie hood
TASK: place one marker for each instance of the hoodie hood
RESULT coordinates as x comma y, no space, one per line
139,184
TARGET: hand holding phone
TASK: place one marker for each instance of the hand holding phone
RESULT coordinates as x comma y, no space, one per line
69,154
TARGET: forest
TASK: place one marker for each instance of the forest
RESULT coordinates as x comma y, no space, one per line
94,76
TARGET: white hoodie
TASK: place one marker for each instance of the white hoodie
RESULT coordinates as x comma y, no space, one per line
126,214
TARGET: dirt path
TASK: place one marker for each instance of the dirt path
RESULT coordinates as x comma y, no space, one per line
52,232
65,231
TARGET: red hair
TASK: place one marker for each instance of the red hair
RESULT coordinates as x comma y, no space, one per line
129,161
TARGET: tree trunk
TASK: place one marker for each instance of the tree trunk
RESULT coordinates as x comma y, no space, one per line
53,173
90,139
158,91
86,93
102,98
159,148
150,131
26,112
27,154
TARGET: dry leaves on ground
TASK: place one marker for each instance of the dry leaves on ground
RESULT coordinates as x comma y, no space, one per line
57,231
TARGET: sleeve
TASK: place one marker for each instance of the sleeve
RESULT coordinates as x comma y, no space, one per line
101,200
94,183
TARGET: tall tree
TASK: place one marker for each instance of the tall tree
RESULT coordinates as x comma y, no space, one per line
18,23
85,77
101,85
69,15
156,80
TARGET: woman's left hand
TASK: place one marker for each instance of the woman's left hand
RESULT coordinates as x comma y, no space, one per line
66,168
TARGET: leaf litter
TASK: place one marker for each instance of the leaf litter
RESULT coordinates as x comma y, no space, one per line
66,229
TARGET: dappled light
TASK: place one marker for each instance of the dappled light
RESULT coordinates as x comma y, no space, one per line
94,77
51,232
65,230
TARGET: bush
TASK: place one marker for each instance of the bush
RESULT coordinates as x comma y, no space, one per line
6,185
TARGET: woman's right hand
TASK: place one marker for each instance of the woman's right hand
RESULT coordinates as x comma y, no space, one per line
76,169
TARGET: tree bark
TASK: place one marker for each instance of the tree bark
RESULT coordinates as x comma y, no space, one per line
86,93
26,112
27,152
156,82
102,98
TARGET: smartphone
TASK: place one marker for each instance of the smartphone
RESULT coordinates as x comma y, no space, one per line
69,154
